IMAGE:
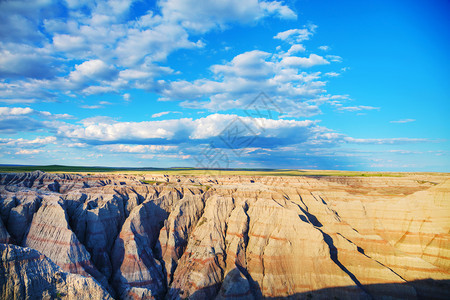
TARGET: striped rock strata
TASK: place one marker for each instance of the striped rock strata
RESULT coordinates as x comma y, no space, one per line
28,274
227,237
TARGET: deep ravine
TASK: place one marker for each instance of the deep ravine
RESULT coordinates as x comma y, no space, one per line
234,237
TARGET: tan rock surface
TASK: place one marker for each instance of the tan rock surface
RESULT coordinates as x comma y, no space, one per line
50,234
28,274
230,237
136,271
4,235
177,228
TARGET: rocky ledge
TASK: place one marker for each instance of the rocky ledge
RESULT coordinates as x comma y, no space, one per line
224,237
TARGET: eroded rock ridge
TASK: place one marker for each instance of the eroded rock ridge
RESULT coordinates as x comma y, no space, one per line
224,237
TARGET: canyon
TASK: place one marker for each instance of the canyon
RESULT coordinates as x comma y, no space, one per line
156,236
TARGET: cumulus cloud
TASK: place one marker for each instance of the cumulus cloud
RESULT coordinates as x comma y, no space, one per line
202,16
404,151
164,156
27,111
386,140
20,142
332,74
69,43
97,47
249,65
163,113
187,130
15,111
237,82
161,40
278,9
25,91
26,146
26,61
111,50
295,36
91,106
126,97
94,69
357,108
122,148
23,19
334,58
17,119
305,62
259,140
28,152
295,49
284,75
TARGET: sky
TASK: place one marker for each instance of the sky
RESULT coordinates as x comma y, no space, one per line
305,84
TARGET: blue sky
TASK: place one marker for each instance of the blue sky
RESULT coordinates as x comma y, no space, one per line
351,85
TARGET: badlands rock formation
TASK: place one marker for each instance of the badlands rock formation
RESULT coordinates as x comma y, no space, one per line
227,237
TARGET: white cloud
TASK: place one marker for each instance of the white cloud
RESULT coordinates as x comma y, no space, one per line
113,50
295,36
164,156
155,43
15,111
27,61
404,152
22,19
98,89
386,140
23,91
205,15
295,49
95,69
324,48
334,58
126,97
237,82
163,113
186,130
17,119
70,43
403,121
28,152
39,141
91,106
122,148
98,119
357,108
249,64
22,146
157,115
277,8
275,139
27,111
305,62
76,145
332,74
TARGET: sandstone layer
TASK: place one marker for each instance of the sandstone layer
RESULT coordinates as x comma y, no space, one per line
224,237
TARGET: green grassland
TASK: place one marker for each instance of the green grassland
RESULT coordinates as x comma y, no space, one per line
154,182
195,172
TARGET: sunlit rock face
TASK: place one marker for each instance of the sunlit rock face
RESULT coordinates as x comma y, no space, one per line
224,237
28,274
